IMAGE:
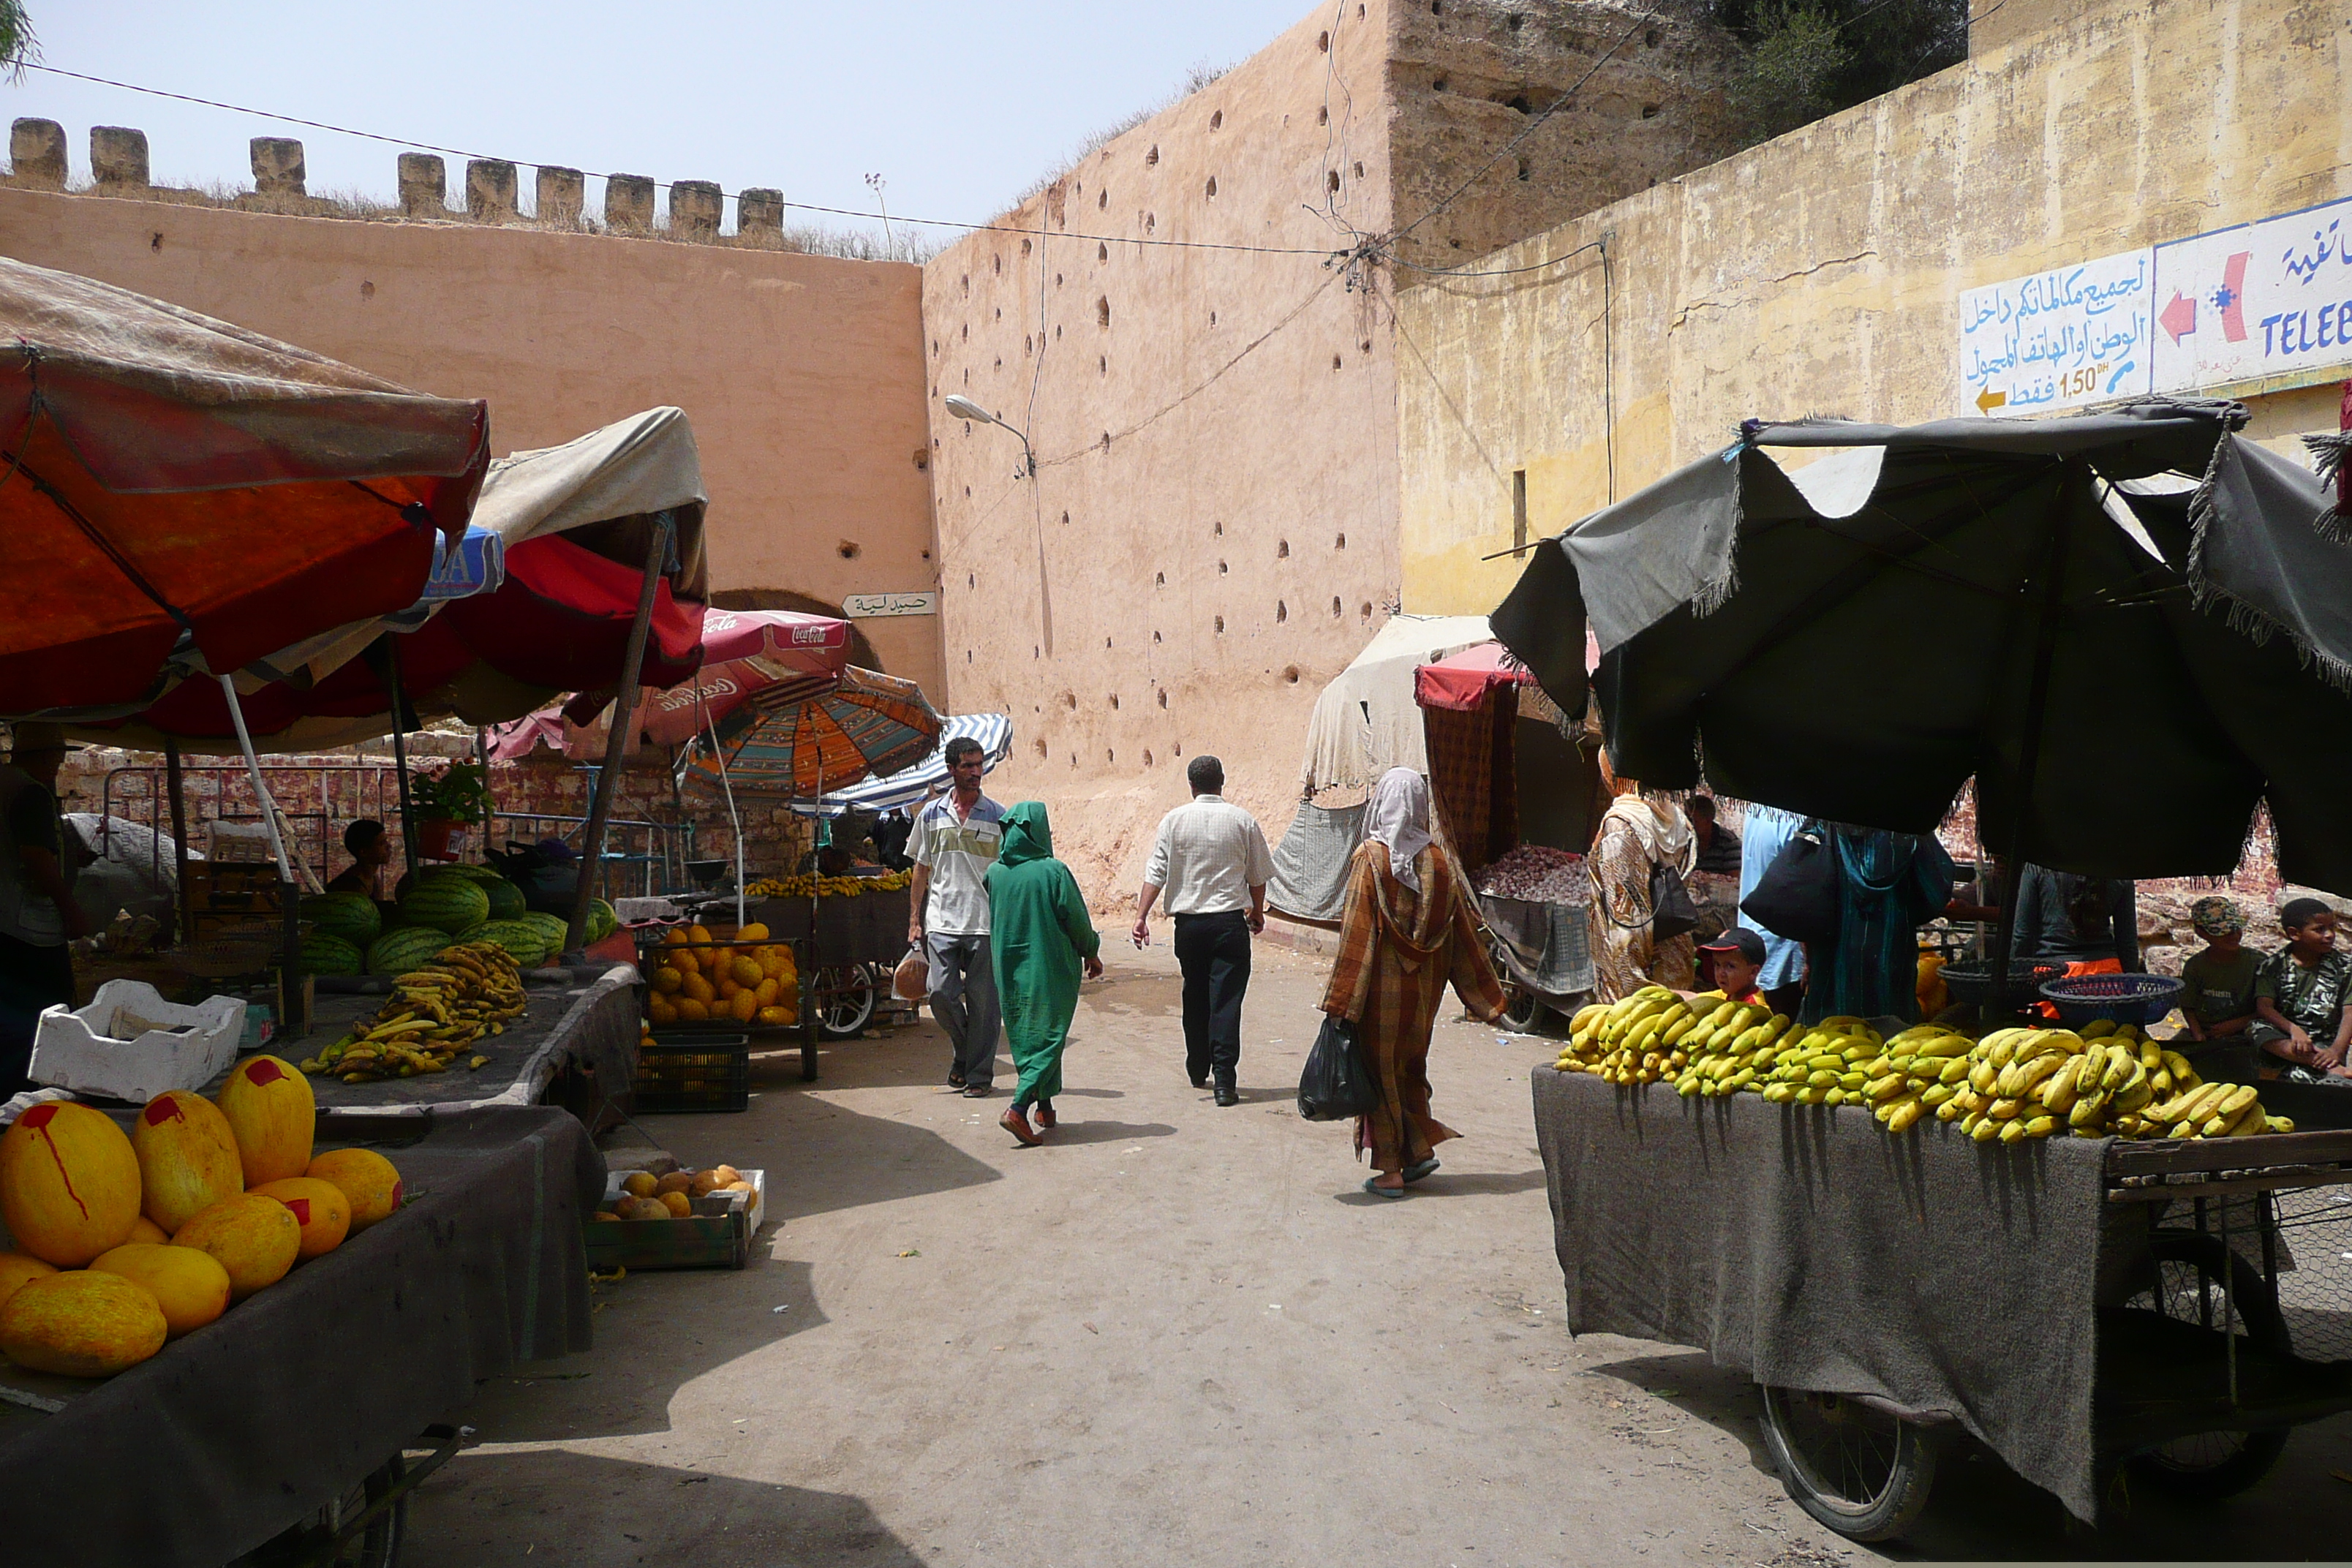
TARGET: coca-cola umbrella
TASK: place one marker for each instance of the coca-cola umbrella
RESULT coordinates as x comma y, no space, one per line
798,739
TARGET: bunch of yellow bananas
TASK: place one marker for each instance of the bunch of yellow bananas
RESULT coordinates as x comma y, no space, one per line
1627,1041
806,885
2106,1081
467,991
1842,1061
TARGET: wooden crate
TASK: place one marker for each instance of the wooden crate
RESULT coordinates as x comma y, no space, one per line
717,1235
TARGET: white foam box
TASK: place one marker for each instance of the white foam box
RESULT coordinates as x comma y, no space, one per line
130,1044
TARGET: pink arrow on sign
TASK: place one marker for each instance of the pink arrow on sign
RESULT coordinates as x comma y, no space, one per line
2231,297
2178,318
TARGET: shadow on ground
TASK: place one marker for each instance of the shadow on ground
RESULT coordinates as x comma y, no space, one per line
489,1508
1981,1510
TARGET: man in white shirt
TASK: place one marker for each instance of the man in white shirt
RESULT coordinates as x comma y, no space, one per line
1212,863
953,843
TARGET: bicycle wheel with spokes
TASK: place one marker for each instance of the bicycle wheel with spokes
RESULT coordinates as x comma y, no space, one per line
845,1000
1861,1472
2183,1280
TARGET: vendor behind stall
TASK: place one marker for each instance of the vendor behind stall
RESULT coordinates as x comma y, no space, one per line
38,913
1888,883
2090,924
2299,995
371,850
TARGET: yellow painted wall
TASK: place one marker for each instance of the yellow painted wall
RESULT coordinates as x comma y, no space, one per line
1821,273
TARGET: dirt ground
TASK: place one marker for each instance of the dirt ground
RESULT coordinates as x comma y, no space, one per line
1176,1334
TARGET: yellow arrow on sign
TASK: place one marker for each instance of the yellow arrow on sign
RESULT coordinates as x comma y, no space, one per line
1988,400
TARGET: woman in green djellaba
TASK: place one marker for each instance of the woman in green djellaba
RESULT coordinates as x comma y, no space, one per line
1041,941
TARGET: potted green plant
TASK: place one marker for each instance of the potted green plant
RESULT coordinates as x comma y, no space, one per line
445,803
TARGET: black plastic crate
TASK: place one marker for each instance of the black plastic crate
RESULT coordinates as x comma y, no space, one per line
694,1070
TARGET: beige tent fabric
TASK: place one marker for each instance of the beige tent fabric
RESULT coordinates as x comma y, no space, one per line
646,463
1366,722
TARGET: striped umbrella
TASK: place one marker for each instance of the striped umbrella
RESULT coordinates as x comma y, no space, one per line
798,739
992,732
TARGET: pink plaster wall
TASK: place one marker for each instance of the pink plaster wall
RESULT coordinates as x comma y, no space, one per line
803,374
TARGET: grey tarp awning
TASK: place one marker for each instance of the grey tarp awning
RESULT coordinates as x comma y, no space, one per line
1863,667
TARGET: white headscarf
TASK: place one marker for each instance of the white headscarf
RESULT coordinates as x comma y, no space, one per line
1398,817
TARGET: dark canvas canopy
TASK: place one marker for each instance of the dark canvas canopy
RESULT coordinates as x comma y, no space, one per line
1860,656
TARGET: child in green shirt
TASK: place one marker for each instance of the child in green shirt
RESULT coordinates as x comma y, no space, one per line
2299,996
2217,996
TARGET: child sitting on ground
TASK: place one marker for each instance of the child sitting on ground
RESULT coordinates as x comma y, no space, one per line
2299,995
2217,997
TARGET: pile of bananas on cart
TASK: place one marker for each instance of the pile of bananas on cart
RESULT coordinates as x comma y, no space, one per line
807,884
2106,1080
467,993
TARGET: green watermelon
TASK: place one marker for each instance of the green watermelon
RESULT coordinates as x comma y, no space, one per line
353,917
506,900
602,921
468,869
448,903
323,954
527,942
556,930
405,948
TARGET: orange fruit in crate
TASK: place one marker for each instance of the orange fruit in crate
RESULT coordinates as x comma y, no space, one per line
776,961
678,1204
726,988
745,1006
690,1011
745,970
698,988
766,991
659,1008
666,979
776,1016
672,937
698,933
755,932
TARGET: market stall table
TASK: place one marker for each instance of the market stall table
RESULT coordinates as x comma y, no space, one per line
1941,1278
248,1426
570,1020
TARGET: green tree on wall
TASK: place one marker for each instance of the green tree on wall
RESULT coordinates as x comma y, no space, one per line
17,44
1807,59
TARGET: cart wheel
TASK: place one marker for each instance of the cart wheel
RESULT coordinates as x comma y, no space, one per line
2182,1280
377,1546
1863,1473
845,1000
1522,1008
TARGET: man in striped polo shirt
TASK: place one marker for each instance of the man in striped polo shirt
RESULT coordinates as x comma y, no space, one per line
954,844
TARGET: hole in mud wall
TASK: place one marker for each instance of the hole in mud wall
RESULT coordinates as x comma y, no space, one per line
1212,185
1151,159
1102,365
1219,529
1335,361
1282,549
1159,579
1649,112
1000,313
1109,755
971,580
1041,746
1366,345
1057,280
1065,520
1281,611
1102,199
1070,700
1151,222
964,283
1337,608
1000,265
1340,542
1025,349
1331,181
1147,757
1105,440
1651,39
1102,252
1221,568
1155,638
1323,42
1323,115
1102,310
1526,170
1290,674
1217,120
1163,700
1221,626
1514,21
1364,611
1114,702
967,331
1360,170
1438,85
1024,248
1521,102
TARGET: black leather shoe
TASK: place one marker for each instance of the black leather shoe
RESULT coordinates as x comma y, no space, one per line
1200,1083
1228,1095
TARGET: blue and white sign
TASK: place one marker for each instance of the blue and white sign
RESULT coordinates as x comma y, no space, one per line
2075,335
474,564
2262,300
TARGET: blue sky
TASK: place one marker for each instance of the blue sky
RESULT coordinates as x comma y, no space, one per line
959,107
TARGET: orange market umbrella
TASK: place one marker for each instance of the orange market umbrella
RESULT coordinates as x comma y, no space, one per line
166,476
798,739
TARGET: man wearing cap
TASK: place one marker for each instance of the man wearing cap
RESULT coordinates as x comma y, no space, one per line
1736,958
37,912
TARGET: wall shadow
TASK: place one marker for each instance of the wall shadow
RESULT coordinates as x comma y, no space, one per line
497,1509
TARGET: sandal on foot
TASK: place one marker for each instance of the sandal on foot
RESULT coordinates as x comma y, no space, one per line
1426,1168
1371,1185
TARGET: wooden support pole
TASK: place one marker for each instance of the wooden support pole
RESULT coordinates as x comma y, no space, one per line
617,744
171,781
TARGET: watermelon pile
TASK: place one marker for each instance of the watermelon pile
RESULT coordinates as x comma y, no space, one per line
405,948
352,917
323,952
447,903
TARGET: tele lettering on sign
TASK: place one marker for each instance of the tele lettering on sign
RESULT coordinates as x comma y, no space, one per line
2261,299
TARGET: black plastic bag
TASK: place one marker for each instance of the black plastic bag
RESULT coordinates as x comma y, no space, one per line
1336,1084
1671,912
1797,897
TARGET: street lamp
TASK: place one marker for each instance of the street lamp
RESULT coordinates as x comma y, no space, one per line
963,407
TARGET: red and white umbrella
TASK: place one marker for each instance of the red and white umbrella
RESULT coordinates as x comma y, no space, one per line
744,651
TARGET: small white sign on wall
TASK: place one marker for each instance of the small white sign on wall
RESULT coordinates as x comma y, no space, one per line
871,606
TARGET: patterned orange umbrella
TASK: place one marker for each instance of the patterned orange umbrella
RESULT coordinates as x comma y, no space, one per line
798,739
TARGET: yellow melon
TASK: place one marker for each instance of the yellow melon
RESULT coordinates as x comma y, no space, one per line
187,1157
743,1007
663,978
271,1108
16,1268
370,1182
776,1016
697,987
745,970
321,1208
82,1324
755,933
690,1011
68,1183
658,1009
256,1238
145,1229
191,1287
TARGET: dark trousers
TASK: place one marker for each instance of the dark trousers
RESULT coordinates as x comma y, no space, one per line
1214,954
31,978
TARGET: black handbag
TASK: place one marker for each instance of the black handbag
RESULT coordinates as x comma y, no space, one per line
1671,912
1797,897
1335,1085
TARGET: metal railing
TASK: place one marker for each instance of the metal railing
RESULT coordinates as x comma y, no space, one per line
658,851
